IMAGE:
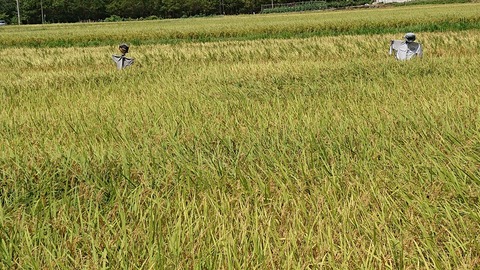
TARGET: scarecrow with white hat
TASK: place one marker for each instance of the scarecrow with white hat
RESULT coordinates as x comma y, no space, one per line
406,49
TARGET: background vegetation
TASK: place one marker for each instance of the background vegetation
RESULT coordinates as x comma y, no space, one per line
61,11
311,5
290,153
56,11
246,27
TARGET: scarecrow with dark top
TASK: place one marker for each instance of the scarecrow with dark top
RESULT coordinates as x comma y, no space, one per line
122,61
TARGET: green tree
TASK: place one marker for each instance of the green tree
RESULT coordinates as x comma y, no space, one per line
172,8
82,10
8,11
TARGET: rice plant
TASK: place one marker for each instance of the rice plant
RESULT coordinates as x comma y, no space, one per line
299,153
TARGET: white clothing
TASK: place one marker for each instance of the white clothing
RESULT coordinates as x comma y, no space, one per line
405,50
122,61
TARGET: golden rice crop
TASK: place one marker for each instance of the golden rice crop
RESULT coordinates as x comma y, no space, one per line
320,152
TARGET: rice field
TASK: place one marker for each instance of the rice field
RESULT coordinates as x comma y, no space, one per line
249,151
423,18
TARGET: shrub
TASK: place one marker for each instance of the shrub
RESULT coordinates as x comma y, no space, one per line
114,18
151,18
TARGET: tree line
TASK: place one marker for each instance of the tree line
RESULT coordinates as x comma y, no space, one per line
61,11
